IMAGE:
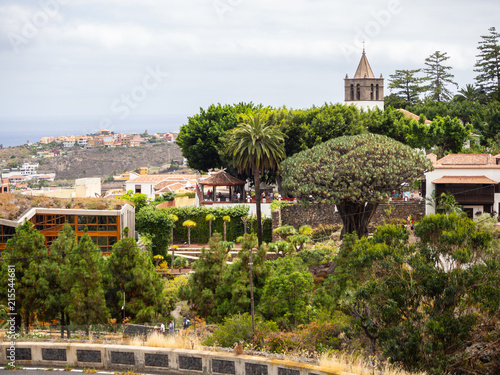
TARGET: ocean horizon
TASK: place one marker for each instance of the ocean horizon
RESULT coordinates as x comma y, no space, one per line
18,131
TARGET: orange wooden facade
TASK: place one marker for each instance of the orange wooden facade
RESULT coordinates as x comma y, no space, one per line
103,229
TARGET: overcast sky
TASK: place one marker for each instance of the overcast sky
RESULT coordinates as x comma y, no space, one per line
76,66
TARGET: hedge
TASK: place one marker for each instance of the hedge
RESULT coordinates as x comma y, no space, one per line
199,233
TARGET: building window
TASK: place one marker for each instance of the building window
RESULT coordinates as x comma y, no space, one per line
358,92
376,92
137,188
371,92
352,92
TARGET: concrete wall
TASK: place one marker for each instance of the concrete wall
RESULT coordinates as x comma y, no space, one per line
176,361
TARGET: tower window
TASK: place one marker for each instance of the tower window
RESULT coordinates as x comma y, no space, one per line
376,92
371,92
358,92
352,92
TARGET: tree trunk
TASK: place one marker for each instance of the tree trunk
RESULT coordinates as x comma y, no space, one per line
209,229
68,333
63,323
27,322
224,230
173,257
256,178
356,217
189,236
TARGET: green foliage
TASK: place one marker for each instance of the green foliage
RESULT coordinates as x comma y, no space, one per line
438,77
84,278
209,270
26,252
488,64
200,233
238,329
200,138
408,86
356,173
287,293
138,200
157,223
412,300
233,293
171,291
131,272
165,197
255,146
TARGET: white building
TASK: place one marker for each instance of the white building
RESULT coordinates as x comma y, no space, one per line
473,179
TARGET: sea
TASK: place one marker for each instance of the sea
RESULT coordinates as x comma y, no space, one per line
19,131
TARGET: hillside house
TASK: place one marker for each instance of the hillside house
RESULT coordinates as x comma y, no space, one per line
155,185
473,179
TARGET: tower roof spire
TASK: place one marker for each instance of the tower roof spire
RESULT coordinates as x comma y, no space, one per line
364,70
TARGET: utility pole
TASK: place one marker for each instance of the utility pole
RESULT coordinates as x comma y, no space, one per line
252,311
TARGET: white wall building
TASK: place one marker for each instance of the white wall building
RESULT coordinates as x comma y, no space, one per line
473,179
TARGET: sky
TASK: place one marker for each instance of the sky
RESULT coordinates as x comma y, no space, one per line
77,66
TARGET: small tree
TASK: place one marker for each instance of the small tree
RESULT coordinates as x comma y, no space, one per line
245,222
210,218
189,224
174,218
173,248
226,219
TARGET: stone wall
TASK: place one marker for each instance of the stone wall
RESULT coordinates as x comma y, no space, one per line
324,214
166,360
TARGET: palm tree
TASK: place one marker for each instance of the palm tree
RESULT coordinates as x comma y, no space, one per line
256,147
469,93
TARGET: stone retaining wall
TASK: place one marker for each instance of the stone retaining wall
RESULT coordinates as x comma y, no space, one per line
175,361
324,214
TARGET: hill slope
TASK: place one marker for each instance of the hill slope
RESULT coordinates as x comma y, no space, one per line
99,162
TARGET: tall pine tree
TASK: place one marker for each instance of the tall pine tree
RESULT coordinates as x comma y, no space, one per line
407,85
84,279
131,271
438,76
488,64
58,297
26,252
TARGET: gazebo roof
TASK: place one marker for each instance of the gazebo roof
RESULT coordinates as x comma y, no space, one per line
221,178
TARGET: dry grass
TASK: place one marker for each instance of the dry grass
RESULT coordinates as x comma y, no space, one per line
13,205
177,341
343,363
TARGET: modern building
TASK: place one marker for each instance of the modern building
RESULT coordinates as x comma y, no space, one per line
105,227
473,179
364,90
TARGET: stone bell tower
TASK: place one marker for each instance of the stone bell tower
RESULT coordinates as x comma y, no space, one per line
364,90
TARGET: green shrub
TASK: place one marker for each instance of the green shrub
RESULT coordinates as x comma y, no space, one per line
238,328
324,232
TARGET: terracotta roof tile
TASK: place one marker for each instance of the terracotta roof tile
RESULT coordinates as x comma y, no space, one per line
467,159
464,180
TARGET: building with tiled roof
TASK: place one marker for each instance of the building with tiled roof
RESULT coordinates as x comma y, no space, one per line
154,185
413,116
473,179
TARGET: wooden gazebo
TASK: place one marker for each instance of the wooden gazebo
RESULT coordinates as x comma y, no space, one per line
221,178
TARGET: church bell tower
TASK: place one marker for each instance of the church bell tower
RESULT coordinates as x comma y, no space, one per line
364,90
